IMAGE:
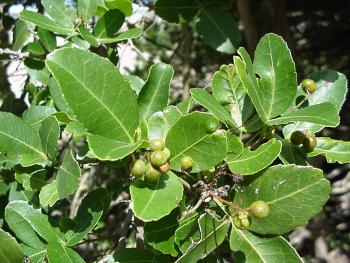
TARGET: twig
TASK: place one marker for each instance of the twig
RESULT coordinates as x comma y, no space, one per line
7,51
195,207
185,184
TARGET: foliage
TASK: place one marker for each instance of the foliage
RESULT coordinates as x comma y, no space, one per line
223,150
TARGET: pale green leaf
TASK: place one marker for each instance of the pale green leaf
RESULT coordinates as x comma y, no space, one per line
154,94
293,193
61,13
188,232
35,255
129,34
87,8
123,5
10,252
21,35
146,197
68,175
250,162
36,114
58,253
49,134
136,83
48,195
57,96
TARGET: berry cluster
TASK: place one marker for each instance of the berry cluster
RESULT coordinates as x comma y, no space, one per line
306,137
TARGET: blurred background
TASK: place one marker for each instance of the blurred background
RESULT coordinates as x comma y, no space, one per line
318,34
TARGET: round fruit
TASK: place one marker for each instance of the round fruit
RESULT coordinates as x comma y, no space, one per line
77,21
309,143
166,151
260,209
241,220
309,86
158,158
156,145
297,137
164,168
138,169
186,163
152,175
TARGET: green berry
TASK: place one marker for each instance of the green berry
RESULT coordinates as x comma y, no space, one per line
138,169
164,168
309,86
297,137
158,158
186,163
260,209
166,151
156,145
152,175
241,220
309,143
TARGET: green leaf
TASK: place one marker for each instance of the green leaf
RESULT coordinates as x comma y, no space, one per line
190,137
147,197
36,114
250,162
333,150
88,84
61,13
261,249
129,255
208,101
48,195
292,154
154,94
4,187
32,178
123,5
175,11
44,22
294,195
88,36
37,220
10,251
19,139
331,86
17,193
91,209
68,175
107,149
49,133
36,69
21,35
213,233
219,30
58,253
47,38
160,122
57,96
161,234
87,8
35,255
186,105
188,232
136,83
325,114
109,24
129,34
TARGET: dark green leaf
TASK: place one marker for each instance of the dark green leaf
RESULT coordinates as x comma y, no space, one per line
47,38
49,134
123,5
21,35
58,253
109,24
68,175
175,11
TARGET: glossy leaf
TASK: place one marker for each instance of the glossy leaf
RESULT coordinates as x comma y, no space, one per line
161,234
190,137
88,84
87,8
37,220
44,22
325,114
333,150
261,249
49,134
89,213
250,162
19,139
10,251
48,195
160,122
176,11
61,13
213,233
331,86
219,30
208,101
294,194
154,94
146,197
58,253
68,175
21,35
109,24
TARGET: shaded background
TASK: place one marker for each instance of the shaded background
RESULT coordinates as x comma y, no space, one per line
317,33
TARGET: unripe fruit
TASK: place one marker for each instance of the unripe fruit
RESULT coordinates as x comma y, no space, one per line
297,137
77,21
166,151
186,163
260,209
158,158
269,132
156,145
309,143
164,168
138,169
241,220
309,86
152,175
